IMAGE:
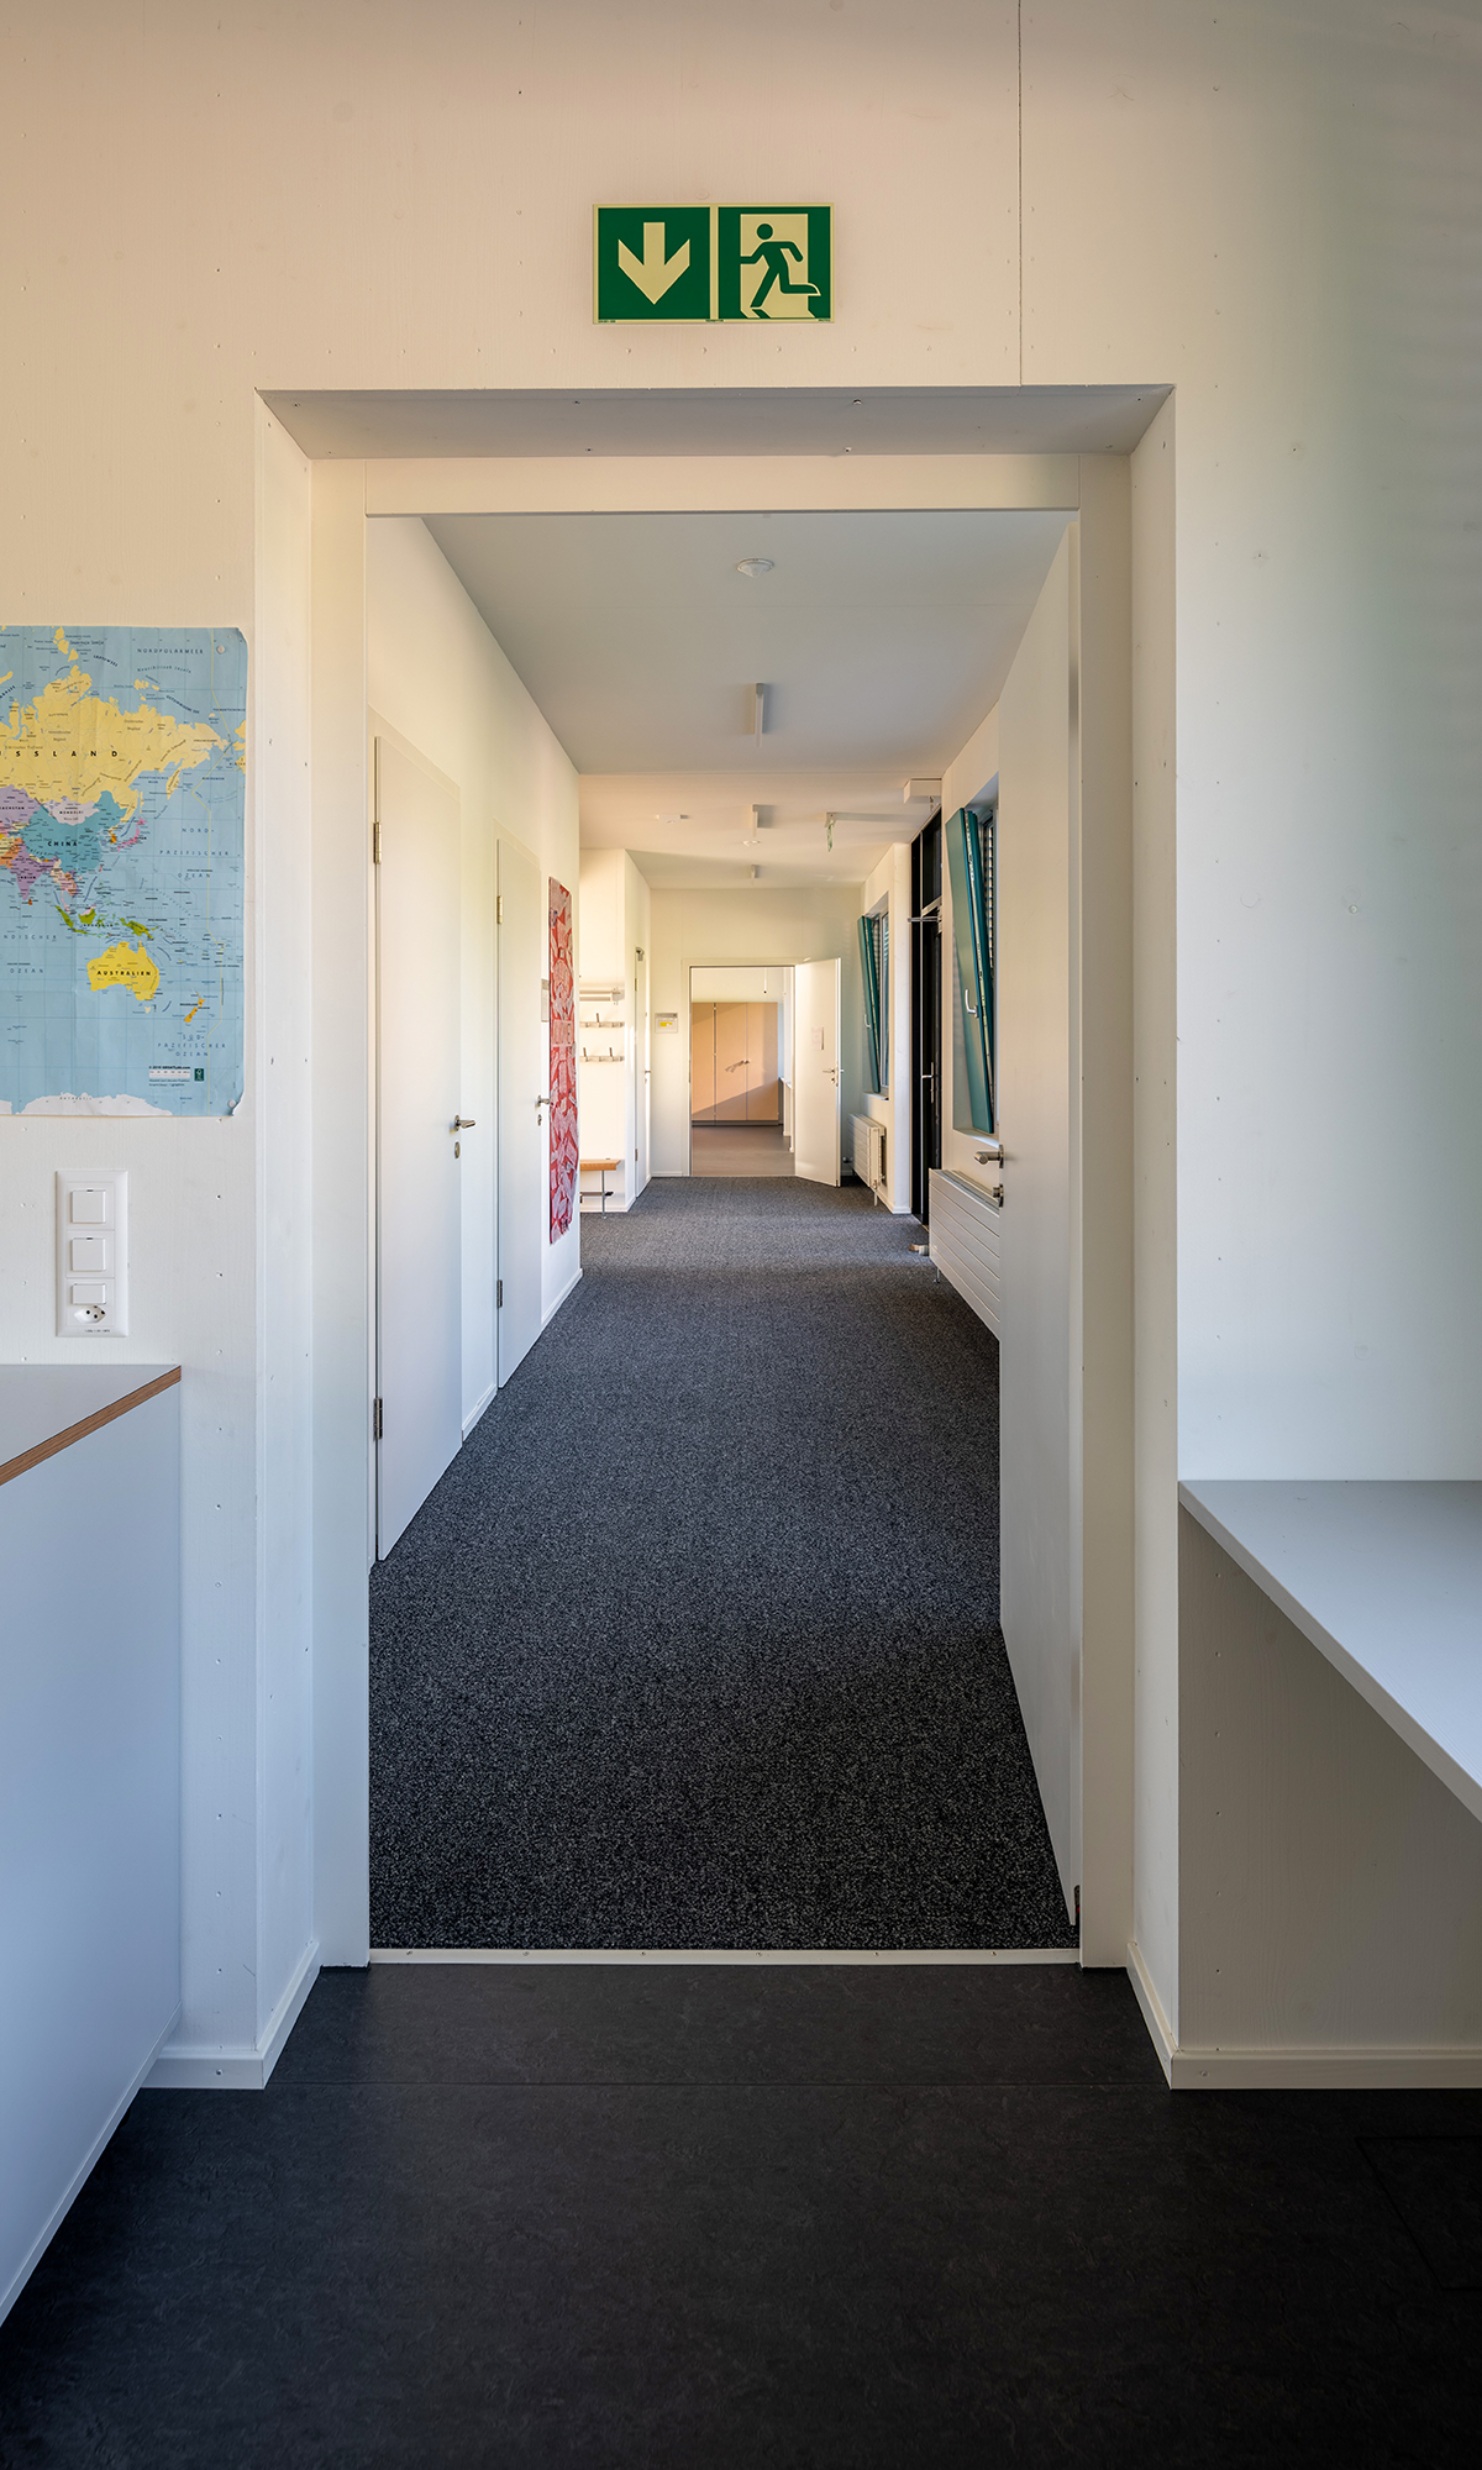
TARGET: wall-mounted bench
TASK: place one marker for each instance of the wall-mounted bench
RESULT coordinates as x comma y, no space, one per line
89,1772
1330,1785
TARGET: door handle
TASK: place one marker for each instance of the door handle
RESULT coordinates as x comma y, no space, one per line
540,1102
463,1123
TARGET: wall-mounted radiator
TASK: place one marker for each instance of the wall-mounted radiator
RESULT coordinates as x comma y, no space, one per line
965,1227
869,1154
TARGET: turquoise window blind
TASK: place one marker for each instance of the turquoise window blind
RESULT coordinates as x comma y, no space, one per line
972,853
874,962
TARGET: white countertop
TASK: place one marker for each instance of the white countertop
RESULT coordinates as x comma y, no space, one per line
41,1405
1386,1581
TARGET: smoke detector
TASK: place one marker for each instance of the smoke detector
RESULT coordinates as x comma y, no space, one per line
751,567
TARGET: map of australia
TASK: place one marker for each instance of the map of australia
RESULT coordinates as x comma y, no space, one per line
122,800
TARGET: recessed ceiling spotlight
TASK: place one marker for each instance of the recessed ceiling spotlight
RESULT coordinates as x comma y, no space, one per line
751,567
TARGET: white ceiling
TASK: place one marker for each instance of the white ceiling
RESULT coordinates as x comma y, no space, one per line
882,639
695,831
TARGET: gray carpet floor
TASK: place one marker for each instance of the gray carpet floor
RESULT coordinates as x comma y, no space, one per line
696,1644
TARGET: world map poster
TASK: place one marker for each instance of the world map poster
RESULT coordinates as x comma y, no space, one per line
564,1153
122,811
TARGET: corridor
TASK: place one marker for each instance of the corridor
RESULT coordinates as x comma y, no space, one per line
695,1645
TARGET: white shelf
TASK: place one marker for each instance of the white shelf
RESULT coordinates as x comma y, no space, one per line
1385,1579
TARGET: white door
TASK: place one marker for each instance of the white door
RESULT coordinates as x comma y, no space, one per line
419,1372
524,1088
816,1093
643,1083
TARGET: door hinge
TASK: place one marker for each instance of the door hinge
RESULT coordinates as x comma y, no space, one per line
376,842
499,1294
376,1419
499,908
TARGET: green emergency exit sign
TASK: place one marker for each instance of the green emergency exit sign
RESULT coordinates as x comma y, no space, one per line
704,264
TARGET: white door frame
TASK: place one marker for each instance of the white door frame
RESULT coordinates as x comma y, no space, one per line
346,496
835,1072
690,966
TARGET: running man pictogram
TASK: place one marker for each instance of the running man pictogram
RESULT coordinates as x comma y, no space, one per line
774,254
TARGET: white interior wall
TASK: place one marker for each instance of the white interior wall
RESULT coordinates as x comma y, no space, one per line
890,882
810,924
1276,209
436,673
1270,209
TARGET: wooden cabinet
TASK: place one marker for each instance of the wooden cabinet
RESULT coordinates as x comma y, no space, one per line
734,1076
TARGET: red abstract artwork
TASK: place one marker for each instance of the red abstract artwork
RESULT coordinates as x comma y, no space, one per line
564,1151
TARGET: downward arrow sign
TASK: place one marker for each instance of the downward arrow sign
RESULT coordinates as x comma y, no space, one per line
654,273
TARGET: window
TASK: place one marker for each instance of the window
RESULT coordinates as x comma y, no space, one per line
874,956
972,860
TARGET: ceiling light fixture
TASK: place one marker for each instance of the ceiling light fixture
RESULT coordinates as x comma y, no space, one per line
751,567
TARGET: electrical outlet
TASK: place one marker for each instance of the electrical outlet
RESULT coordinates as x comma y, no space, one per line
92,1256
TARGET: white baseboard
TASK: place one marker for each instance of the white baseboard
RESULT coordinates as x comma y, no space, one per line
481,1408
724,1955
241,2067
1352,2069
1160,2031
79,2178
554,1306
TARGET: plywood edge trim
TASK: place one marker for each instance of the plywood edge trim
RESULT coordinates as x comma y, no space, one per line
59,1441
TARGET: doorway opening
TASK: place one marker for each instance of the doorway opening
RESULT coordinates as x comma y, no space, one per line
821,818
771,928
741,1070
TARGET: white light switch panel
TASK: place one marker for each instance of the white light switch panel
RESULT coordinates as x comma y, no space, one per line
92,1256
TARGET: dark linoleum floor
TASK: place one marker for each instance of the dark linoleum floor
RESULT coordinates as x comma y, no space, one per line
845,2218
